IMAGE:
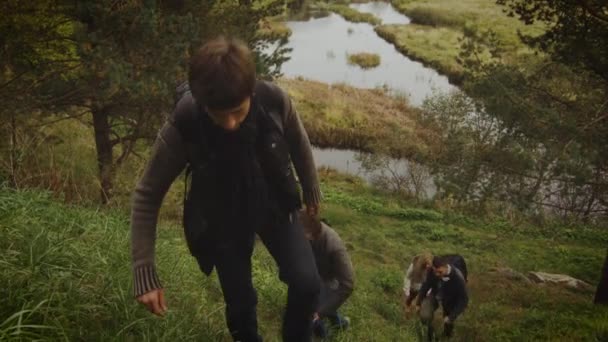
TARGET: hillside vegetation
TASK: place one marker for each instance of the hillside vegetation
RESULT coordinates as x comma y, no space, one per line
65,274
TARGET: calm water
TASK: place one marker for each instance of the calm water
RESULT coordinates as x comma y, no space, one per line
320,48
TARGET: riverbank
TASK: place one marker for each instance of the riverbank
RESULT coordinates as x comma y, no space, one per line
436,48
345,117
439,26
351,14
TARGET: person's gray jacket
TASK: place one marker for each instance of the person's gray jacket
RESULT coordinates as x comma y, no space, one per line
335,269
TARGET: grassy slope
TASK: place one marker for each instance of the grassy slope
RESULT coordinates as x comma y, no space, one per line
71,265
439,23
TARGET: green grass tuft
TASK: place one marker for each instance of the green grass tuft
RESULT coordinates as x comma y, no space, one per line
364,59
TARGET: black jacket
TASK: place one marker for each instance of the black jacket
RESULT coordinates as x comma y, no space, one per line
273,156
453,292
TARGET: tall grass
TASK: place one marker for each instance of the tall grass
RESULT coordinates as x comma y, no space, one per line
65,275
46,158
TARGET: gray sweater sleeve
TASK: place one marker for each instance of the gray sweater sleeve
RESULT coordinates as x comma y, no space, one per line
167,161
301,152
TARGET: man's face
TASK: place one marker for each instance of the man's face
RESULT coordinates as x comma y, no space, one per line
230,119
441,271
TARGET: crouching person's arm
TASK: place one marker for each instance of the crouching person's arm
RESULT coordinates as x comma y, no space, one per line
344,275
429,284
407,283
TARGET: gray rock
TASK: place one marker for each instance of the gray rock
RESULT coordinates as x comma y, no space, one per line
559,279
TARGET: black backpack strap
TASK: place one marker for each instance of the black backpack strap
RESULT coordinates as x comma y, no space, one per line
187,120
180,91
272,99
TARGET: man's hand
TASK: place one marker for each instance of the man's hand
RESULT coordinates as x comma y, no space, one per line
447,320
315,317
312,210
154,301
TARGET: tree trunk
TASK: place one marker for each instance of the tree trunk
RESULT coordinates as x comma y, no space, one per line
601,295
13,157
101,126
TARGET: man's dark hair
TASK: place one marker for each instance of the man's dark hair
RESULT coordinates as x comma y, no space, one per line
439,261
222,73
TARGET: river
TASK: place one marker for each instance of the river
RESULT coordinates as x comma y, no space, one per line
320,47
319,52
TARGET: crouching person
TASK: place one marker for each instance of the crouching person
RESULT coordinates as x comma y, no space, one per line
415,276
445,284
336,271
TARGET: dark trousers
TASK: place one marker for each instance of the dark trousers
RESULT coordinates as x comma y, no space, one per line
413,295
334,317
291,251
427,310
324,296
